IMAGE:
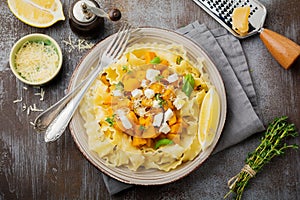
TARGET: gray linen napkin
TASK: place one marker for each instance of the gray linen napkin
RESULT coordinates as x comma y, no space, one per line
227,54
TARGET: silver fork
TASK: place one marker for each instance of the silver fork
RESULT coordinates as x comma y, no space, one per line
56,118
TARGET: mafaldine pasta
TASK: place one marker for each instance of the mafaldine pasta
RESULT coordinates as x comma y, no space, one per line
142,111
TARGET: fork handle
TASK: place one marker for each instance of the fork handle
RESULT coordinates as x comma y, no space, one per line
284,50
59,123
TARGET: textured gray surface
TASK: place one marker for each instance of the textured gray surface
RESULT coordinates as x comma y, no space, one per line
31,169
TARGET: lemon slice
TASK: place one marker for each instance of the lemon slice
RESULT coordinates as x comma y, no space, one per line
37,13
209,118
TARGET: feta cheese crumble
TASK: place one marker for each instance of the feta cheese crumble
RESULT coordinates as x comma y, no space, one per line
149,93
151,74
136,93
172,78
178,103
165,128
158,119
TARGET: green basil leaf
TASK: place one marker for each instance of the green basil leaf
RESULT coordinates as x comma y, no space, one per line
188,84
161,142
187,89
189,78
155,60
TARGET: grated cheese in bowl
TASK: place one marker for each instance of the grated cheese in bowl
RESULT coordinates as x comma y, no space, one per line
36,59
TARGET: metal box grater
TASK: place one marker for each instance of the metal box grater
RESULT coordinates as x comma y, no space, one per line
221,10
284,50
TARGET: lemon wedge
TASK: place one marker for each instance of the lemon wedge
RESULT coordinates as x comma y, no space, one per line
37,13
209,118
240,18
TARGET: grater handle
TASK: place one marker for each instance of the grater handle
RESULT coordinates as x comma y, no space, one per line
284,50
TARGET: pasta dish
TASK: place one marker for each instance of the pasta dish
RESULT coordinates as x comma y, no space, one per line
142,111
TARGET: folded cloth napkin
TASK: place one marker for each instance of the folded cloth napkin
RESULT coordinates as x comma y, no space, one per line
228,56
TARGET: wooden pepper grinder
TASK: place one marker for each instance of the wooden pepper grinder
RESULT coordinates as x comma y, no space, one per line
86,18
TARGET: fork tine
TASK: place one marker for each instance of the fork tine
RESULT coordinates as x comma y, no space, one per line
118,53
122,43
115,38
120,39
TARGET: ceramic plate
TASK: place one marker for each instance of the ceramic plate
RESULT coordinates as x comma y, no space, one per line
151,176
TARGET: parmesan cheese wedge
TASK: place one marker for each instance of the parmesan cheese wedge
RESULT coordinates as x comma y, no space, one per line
240,18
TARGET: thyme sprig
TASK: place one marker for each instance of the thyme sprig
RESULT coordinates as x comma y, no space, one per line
272,144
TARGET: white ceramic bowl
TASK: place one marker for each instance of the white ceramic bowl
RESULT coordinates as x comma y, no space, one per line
33,38
151,176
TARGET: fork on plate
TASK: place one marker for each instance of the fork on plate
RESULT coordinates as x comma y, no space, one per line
56,118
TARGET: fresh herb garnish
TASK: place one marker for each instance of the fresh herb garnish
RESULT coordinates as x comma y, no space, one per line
119,86
155,60
271,145
188,84
158,98
178,60
22,76
47,42
162,142
142,128
125,68
111,120
158,78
